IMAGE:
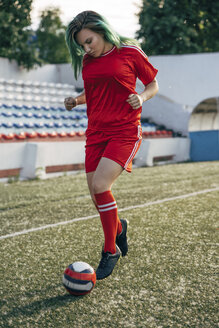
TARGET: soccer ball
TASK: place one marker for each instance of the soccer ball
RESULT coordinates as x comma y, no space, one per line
79,278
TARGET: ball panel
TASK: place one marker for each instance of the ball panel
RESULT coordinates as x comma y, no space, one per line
81,276
82,267
77,285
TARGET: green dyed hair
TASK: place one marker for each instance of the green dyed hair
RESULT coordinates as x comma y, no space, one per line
97,23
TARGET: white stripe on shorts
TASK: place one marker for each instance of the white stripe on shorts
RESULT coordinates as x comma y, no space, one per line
134,149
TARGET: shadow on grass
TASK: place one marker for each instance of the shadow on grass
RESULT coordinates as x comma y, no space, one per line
40,305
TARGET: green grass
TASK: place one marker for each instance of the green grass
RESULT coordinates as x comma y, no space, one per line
168,278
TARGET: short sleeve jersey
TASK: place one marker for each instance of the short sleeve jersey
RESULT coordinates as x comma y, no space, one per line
108,81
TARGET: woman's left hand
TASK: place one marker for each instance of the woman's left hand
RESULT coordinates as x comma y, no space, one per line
135,101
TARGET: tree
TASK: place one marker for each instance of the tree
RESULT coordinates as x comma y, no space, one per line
178,27
50,38
16,35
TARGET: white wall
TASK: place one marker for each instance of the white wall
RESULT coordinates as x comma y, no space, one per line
184,82
29,157
10,70
32,158
188,79
177,148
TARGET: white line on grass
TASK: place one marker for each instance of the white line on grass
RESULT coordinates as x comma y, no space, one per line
160,201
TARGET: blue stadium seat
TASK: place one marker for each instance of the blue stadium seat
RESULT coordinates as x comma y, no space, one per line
67,125
75,125
18,115
49,125
83,125
27,107
6,106
54,109
72,118
7,125
7,114
29,125
39,125
18,125
28,115
56,117
61,109
45,108
47,116
58,125
38,115
65,117
36,107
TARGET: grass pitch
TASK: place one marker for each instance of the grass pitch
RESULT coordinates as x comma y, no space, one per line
168,278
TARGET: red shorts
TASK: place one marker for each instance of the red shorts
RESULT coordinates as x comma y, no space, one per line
121,147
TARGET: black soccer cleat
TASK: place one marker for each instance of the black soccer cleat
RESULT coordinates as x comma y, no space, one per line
121,240
107,264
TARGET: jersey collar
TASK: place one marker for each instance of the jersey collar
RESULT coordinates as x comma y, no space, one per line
108,52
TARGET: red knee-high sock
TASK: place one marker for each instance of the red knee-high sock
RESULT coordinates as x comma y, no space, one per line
109,218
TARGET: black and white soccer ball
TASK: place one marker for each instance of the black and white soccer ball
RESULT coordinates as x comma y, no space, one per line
79,278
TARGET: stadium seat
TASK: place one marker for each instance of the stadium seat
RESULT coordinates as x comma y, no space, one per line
7,125
38,115
65,117
36,83
31,135
6,106
49,125
44,84
47,116
39,125
56,117
53,134
54,109
17,107
28,115
35,91
27,83
67,125
62,134
29,125
9,136
36,108
18,115
62,109
45,108
20,136
58,125
75,125
71,134
7,114
80,133
18,125
42,134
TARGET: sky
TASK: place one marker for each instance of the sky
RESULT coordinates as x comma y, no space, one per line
121,14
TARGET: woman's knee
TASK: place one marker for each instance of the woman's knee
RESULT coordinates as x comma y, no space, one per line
99,185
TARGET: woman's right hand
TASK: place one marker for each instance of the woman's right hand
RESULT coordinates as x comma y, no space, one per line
70,103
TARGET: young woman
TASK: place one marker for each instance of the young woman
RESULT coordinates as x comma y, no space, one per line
110,65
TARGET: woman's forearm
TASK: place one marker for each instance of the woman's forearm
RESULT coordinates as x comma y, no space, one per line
150,90
81,99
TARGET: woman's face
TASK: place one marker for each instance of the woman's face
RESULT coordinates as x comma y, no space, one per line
93,43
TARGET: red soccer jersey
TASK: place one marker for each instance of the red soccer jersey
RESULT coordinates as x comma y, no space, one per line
108,81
